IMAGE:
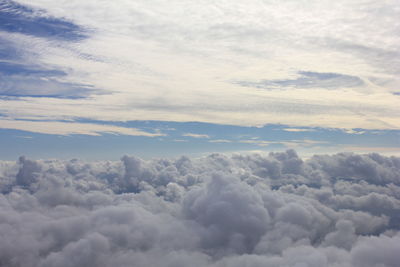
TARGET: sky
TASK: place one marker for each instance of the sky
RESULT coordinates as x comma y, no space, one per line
99,79
215,133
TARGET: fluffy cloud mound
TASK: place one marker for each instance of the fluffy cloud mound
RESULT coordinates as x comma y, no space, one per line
216,211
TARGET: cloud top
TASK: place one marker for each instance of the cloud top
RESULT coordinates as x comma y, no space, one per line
241,210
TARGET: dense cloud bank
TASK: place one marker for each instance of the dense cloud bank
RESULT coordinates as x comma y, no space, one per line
241,210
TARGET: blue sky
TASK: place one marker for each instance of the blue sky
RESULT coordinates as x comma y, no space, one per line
98,79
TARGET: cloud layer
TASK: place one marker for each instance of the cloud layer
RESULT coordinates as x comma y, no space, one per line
241,210
188,61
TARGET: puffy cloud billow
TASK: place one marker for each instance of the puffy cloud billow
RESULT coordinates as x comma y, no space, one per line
240,210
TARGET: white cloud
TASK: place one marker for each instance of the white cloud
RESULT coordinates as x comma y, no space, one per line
214,211
67,128
194,135
132,45
353,131
297,130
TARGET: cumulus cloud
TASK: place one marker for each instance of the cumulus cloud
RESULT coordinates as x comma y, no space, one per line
238,210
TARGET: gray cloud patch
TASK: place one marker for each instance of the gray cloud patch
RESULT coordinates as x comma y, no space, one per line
241,210
308,79
19,80
29,86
